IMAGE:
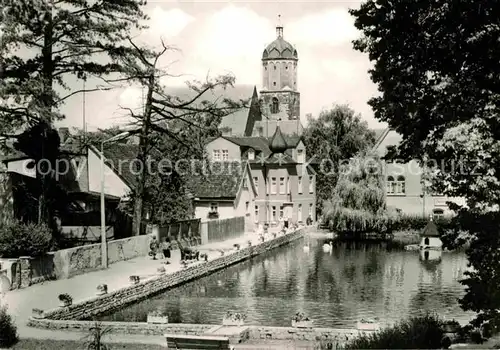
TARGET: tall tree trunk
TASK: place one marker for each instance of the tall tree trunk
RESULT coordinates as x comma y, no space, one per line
47,102
142,157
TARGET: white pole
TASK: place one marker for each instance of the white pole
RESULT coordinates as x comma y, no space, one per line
104,245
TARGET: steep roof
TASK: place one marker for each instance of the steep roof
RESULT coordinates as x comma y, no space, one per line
236,121
72,146
119,157
222,180
430,230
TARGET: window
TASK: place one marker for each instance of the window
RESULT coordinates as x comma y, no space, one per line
275,105
225,154
391,185
247,207
311,210
300,184
397,186
256,183
289,190
311,184
286,67
274,83
216,155
245,184
251,154
274,213
401,185
274,185
274,67
437,213
260,131
300,156
282,185
282,212
256,213
299,213
214,207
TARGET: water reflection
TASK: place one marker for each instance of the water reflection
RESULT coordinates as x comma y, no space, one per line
334,288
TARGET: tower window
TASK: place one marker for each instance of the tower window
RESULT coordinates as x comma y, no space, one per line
275,106
265,68
274,67
286,67
274,83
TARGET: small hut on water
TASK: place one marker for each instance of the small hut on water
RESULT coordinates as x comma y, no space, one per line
430,238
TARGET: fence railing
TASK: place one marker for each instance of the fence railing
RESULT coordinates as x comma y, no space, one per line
186,230
221,230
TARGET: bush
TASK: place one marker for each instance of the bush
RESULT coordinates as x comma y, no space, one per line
8,330
406,222
415,333
19,239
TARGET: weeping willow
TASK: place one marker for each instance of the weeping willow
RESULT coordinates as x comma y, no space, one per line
358,201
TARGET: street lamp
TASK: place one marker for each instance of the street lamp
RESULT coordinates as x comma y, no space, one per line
104,244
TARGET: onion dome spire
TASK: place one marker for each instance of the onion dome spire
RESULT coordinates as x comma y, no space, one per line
278,143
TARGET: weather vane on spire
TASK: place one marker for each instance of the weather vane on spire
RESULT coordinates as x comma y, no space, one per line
279,28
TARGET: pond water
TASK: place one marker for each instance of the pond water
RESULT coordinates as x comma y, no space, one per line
337,288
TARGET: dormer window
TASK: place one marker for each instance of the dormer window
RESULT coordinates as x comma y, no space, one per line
300,156
251,154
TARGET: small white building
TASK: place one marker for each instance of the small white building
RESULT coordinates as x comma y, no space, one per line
430,239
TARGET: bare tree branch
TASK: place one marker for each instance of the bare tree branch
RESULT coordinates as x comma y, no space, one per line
80,91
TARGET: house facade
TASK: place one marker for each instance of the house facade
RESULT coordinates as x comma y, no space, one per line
79,174
225,191
285,184
404,188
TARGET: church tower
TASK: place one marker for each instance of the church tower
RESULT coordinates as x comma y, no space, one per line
279,97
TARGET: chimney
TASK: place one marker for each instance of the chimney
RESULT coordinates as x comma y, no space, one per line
227,132
260,131
63,134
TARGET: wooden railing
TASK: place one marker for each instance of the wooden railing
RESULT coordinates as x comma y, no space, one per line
221,230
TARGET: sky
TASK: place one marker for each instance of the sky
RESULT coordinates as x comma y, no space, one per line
212,38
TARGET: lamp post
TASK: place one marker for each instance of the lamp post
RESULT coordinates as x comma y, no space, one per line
104,243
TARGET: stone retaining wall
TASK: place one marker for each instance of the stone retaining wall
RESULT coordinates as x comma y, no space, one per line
334,335
65,263
115,300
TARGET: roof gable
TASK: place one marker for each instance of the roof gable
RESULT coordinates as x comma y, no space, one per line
220,180
120,158
387,138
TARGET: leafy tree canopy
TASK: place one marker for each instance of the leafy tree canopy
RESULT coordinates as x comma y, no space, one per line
357,203
337,134
436,66
43,42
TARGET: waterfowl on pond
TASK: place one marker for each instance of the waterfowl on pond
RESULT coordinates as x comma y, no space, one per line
306,247
327,247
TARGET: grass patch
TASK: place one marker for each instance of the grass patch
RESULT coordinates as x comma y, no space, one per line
47,344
